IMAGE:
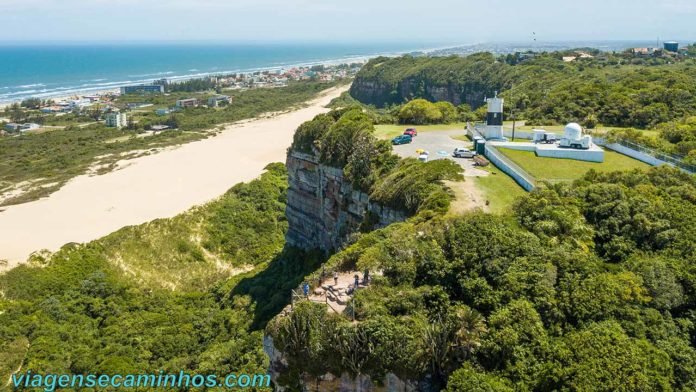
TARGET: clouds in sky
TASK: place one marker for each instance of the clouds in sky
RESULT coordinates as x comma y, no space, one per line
449,21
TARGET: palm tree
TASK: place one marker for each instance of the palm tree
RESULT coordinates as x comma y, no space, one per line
471,327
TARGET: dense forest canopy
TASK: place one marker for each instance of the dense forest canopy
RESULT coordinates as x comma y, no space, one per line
583,286
590,286
607,88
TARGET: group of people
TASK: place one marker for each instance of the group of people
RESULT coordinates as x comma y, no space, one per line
356,284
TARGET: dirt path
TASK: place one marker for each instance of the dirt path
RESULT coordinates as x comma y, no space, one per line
467,197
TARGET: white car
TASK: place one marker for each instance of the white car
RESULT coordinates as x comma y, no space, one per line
423,157
463,153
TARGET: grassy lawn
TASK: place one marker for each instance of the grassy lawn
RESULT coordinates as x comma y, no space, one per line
499,189
388,131
568,169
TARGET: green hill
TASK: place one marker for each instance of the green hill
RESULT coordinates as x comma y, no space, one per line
612,89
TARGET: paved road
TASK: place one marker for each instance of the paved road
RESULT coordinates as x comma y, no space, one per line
440,145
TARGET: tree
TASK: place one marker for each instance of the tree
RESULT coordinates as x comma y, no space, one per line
31,103
469,379
448,111
603,358
15,113
419,111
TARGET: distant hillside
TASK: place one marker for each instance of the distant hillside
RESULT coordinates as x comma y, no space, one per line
615,90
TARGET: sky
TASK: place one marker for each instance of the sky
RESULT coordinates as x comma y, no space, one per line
436,21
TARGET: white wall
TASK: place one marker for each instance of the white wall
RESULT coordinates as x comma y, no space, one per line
520,176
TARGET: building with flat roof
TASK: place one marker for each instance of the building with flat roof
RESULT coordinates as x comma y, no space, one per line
215,101
187,103
116,120
14,128
143,89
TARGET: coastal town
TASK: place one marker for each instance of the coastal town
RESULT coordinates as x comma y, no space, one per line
40,115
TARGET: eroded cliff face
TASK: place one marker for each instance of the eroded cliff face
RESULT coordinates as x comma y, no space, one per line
331,383
323,209
378,93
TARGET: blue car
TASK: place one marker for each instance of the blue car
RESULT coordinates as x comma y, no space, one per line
403,139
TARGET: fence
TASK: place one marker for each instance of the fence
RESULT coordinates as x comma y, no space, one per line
526,181
670,159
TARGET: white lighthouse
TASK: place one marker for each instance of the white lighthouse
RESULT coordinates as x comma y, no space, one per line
494,119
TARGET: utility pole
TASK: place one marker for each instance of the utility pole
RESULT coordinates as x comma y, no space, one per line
512,110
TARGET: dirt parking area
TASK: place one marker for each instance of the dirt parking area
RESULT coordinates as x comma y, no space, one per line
440,145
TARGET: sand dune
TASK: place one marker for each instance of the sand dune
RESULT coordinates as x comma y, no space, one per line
156,186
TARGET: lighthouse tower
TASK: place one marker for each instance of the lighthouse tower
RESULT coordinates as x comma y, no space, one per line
494,118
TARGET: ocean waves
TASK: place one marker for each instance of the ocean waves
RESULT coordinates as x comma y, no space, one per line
108,75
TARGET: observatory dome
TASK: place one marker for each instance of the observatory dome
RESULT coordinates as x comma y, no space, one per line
573,131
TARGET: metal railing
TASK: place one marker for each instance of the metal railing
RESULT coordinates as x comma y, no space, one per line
672,159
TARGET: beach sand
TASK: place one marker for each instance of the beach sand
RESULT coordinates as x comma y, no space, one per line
156,186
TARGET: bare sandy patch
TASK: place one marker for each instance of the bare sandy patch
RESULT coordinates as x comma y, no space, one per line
153,186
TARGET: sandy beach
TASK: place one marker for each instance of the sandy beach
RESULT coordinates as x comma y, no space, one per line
151,187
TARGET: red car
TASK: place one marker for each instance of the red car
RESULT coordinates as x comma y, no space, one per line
411,132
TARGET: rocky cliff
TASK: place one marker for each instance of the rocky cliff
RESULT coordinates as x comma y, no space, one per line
323,209
381,93
385,81
331,383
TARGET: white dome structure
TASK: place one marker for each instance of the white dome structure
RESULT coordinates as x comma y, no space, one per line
573,131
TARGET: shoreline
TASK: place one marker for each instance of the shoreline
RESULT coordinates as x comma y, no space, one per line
156,186
116,85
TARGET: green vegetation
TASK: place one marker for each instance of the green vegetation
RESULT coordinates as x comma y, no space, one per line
552,169
499,189
604,92
414,186
43,162
583,286
677,138
546,89
52,158
346,139
156,296
421,111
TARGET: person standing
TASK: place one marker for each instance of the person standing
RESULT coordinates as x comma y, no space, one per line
335,278
305,288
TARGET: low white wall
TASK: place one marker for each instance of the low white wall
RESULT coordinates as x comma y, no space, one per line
580,155
519,134
641,156
516,146
521,177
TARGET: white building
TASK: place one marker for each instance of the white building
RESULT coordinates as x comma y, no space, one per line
215,101
116,120
494,119
187,103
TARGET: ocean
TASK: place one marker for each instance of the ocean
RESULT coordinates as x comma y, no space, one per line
60,70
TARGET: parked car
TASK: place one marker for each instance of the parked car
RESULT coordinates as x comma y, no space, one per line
463,153
411,132
403,139
423,157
